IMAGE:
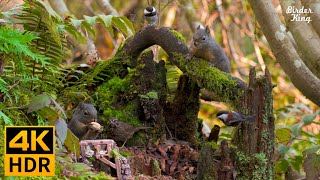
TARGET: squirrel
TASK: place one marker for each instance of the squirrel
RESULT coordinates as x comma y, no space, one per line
205,47
84,123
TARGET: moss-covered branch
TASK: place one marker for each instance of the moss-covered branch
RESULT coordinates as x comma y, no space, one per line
222,84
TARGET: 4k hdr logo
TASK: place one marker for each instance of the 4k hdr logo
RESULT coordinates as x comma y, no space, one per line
29,151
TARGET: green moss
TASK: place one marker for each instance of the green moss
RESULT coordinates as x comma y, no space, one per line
252,167
125,154
242,157
114,154
110,93
178,35
206,76
155,166
115,84
138,139
124,115
150,95
213,145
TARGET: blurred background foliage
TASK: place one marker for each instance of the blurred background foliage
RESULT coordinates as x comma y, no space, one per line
234,27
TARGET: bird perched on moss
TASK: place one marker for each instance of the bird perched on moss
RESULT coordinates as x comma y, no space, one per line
150,15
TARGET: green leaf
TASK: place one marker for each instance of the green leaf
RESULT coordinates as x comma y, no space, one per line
72,143
50,10
59,107
311,150
296,129
88,27
296,162
128,24
74,32
308,119
119,24
6,119
39,102
76,23
91,20
106,21
48,114
283,149
61,129
282,165
283,135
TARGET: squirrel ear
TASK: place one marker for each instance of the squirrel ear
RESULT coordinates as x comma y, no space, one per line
207,30
81,105
198,27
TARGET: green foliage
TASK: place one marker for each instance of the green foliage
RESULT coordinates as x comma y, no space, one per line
295,145
13,41
101,73
66,168
107,21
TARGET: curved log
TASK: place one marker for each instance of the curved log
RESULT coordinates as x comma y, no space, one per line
228,88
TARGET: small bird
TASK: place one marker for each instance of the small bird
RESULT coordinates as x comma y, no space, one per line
232,118
121,131
151,15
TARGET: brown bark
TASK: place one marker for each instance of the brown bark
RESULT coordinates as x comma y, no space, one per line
306,38
107,7
152,78
226,168
182,114
315,16
255,141
299,74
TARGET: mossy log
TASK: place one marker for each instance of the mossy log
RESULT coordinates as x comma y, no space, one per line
230,89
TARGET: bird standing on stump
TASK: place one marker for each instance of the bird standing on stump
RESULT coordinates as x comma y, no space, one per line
232,118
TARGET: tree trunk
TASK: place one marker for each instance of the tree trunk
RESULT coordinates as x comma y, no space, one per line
255,141
301,77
